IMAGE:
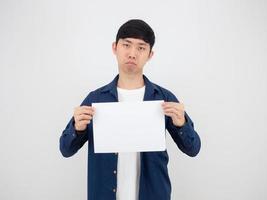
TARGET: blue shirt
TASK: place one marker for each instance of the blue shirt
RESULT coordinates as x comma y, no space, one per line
154,179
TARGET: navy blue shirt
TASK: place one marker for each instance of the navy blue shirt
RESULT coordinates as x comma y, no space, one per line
154,179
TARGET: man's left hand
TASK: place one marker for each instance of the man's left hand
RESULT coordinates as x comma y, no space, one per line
175,111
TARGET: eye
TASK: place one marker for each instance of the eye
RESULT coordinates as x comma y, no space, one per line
125,45
141,48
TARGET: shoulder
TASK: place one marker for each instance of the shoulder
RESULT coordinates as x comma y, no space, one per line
94,95
166,93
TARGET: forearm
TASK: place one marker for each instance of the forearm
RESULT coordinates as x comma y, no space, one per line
71,140
186,137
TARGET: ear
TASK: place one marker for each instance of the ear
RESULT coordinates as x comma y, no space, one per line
150,55
114,48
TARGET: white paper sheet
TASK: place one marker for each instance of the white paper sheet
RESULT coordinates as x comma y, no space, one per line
129,127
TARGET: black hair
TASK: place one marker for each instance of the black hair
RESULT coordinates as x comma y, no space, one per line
136,28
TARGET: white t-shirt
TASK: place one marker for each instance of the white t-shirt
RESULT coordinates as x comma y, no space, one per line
128,169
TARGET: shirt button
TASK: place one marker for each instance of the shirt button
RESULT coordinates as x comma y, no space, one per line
114,172
114,190
181,133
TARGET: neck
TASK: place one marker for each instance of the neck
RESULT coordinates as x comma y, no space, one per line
130,82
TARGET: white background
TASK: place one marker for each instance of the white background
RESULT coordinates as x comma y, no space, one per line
210,53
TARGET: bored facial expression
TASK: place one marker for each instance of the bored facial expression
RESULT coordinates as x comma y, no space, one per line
132,54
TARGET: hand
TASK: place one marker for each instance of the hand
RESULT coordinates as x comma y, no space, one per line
82,117
175,111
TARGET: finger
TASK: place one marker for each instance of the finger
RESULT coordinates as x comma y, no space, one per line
174,114
178,115
177,109
83,117
176,105
169,103
83,122
87,108
169,110
173,110
84,111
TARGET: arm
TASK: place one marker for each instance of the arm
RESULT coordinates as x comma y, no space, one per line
184,136
72,140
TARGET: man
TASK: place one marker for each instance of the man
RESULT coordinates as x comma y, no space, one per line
130,176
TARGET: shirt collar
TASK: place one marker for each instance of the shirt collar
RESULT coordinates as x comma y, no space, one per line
150,88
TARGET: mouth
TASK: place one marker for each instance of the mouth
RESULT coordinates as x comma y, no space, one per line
130,63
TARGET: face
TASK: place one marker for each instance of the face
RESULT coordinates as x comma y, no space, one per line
132,55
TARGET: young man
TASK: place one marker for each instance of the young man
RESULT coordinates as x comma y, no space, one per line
130,176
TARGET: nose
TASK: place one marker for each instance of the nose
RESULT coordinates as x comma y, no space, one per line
132,54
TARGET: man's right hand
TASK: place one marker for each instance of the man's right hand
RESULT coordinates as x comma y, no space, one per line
82,117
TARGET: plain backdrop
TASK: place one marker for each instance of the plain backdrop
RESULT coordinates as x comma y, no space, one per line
212,54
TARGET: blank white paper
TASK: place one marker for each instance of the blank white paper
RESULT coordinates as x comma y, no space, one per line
129,127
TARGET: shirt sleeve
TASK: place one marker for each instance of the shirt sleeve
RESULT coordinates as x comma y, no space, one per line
185,137
71,140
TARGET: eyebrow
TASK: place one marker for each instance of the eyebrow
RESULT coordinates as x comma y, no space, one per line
139,43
